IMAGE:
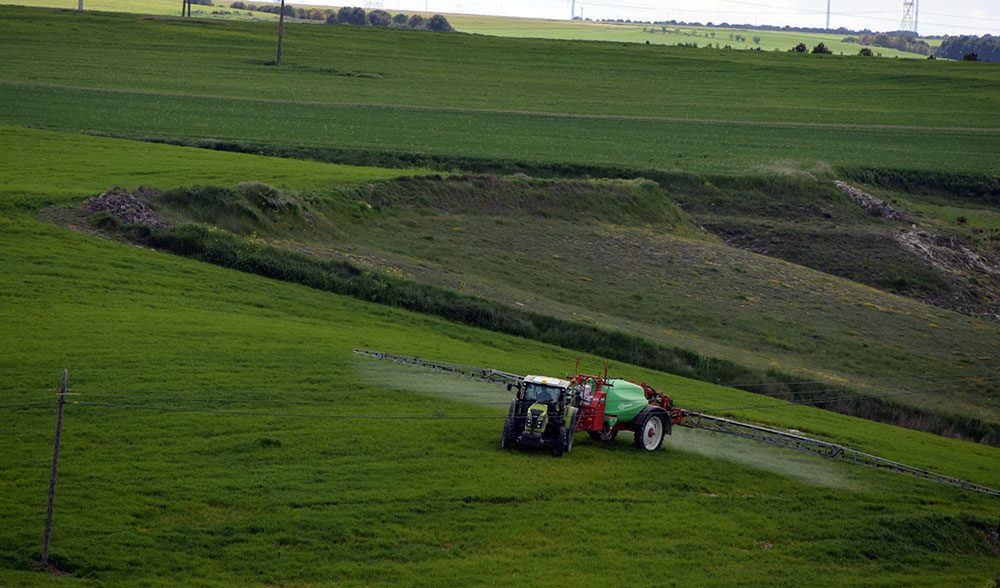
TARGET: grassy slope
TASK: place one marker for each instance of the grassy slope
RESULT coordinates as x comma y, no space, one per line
660,107
746,315
215,499
638,271
66,163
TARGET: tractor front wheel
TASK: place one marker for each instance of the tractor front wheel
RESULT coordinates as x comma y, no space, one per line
559,443
649,434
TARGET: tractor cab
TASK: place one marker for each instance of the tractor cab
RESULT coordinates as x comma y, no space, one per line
543,390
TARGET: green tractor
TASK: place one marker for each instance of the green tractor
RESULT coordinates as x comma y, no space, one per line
540,416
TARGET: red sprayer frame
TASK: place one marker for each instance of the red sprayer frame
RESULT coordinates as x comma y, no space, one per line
592,408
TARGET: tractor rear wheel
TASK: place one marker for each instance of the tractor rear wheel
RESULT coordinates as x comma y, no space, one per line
559,443
603,435
649,434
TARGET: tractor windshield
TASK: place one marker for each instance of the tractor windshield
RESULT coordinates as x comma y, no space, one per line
542,393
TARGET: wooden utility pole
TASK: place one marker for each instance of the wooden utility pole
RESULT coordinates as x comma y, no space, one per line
281,30
55,469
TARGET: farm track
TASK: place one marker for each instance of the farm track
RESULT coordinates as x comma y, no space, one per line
531,113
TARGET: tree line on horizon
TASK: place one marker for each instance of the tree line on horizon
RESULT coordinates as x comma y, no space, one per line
966,47
355,16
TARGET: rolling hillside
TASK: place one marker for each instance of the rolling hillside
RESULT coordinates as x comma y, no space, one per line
182,462
512,203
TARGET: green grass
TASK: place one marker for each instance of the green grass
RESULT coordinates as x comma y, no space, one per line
509,240
639,272
48,167
660,107
195,498
637,33
155,7
532,28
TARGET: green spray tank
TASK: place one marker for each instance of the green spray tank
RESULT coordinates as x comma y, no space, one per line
623,400
610,405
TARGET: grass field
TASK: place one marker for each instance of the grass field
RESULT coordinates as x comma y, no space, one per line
532,28
69,162
221,432
640,33
156,7
148,496
661,107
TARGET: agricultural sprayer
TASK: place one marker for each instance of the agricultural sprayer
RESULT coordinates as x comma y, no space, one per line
547,412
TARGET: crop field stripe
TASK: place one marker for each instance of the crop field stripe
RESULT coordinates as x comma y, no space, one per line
516,112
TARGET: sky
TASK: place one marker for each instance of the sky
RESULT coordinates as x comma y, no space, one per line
937,17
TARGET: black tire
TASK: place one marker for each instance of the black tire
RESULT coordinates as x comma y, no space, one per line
559,443
603,435
651,431
509,436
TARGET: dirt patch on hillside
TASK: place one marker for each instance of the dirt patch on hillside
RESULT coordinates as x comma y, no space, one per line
870,204
976,276
129,207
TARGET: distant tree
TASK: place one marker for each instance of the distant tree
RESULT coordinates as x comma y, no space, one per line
800,48
331,18
417,22
352,15
903,41
970,57
756,39
822,49
439,24
401,20
379,18
866,52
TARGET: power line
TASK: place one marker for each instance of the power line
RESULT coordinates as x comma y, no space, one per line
973,379
813,402
285,414
786,11
26,404
414,416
